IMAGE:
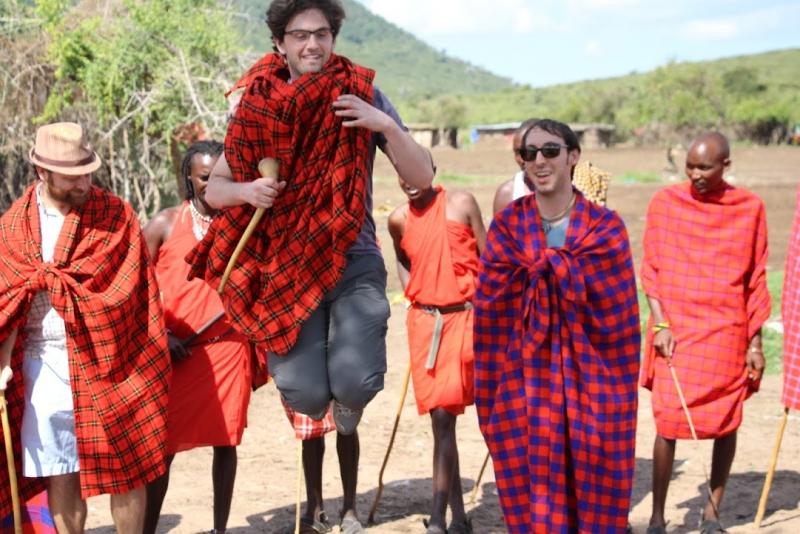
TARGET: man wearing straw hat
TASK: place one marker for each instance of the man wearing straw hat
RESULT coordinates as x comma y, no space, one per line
705,255
81,323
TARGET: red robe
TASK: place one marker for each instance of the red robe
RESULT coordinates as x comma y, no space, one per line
210,389
444,264
100,283
704,260
791,317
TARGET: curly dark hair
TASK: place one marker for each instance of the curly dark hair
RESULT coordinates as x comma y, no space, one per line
210,147
280,12
555,128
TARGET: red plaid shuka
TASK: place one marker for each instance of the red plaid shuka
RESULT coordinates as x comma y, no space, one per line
791,317
101,285
307,428
705,259
556,363
297,253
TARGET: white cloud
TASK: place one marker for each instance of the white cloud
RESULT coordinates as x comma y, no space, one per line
592,49
751,23
454,17
710,29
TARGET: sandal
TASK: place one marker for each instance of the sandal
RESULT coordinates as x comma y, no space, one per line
460,527
315,526
711,526
350,525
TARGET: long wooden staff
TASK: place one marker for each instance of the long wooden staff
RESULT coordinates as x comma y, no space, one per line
762,503
5,361
371,518
694,434
266,167
478,480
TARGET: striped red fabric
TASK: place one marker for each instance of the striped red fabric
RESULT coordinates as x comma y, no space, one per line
705,260
298,252
556,363
307,428
791,317
100,283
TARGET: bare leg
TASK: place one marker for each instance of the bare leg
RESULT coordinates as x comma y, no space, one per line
313,454
66,506
127,510
348,450
721,461
223,474
456,500
445,462
663,457
156,491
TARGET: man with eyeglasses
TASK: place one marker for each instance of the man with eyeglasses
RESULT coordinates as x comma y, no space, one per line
519,185
704,273
557,350
310,285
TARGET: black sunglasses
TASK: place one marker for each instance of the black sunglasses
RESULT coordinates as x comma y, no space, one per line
548,150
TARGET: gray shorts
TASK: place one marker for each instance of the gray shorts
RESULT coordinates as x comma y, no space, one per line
341,350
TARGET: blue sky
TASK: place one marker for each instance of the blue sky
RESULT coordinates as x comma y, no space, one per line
544,42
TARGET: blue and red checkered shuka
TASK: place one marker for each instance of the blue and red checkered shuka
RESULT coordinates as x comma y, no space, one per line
556,365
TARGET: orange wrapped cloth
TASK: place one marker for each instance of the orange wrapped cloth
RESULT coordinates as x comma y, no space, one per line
444,264
210,390
704,260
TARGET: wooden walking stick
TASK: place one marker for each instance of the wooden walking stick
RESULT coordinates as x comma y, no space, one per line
762,503
371,518
5,361
266,167
299,486
694,434
478,480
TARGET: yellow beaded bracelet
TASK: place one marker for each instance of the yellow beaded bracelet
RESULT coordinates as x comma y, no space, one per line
658,327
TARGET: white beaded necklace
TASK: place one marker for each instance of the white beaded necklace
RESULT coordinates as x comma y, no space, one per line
200,222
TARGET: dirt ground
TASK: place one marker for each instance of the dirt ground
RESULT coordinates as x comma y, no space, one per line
266,481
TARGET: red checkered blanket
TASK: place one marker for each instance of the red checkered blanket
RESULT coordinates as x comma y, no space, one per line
101,285
298,251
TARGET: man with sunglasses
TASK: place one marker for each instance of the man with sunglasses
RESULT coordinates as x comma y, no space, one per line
557,350
519,185
310,287
704,273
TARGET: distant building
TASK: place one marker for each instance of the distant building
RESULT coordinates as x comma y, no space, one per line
431,136
592,135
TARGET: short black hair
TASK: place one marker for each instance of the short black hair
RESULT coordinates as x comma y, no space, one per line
280,12
210,147
555,128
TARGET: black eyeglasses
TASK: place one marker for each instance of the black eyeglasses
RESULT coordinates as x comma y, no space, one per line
548,150
301,36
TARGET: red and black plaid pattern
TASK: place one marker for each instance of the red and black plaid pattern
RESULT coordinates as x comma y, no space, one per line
297,253
556,363
791,317
102,286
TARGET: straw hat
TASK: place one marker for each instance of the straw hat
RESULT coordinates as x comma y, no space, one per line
62,148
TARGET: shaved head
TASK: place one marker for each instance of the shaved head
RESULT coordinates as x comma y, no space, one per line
713,143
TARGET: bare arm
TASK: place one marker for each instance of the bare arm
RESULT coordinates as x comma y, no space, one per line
157,230
224,192
5,359
503,196
409,159
663,341
396,229
755,358
476,222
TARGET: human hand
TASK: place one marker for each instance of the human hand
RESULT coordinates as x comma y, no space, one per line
262,192
359,114
755,363
5,377
176,348
664,342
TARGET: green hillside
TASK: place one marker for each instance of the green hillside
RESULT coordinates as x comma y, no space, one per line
398,57
757,96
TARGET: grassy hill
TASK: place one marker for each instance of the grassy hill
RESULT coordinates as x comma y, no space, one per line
398,57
